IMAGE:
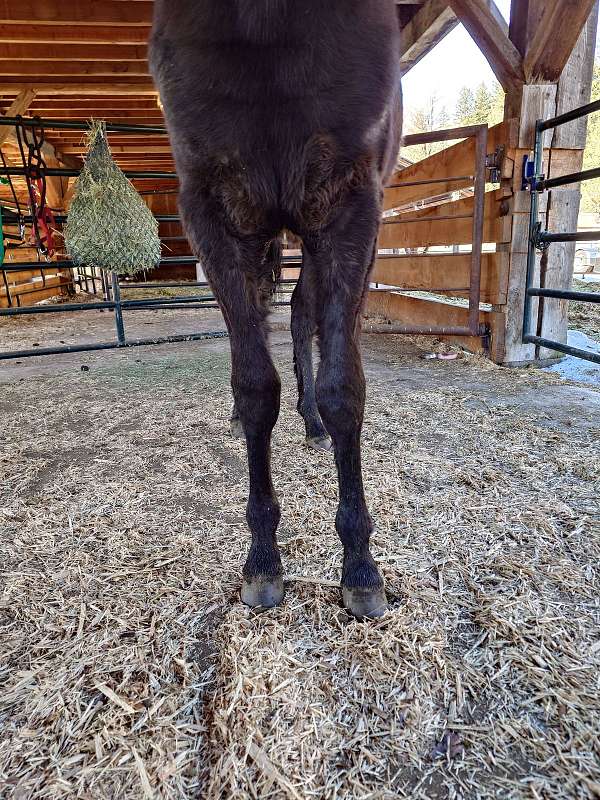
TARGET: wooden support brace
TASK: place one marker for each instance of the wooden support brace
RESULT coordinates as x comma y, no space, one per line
431,23
20,105
555,38
483,21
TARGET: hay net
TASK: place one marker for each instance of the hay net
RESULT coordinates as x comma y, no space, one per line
109,226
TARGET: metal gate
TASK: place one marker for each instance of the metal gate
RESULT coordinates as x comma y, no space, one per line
476,179
539,239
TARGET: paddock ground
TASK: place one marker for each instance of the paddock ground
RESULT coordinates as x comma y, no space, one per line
130,670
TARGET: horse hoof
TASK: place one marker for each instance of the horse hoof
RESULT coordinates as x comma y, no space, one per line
262,592
371,603
320,443
236,428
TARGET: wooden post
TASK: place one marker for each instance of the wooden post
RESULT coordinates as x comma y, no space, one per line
528,103
535,102
568,144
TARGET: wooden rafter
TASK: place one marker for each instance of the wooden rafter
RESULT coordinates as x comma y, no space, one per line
431,23
34,33
76,12
485,24
78,87
47,51
555,38
74,69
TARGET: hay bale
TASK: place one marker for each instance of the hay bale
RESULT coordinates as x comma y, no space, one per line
109,225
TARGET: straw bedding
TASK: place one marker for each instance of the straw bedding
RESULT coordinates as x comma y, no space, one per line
130,670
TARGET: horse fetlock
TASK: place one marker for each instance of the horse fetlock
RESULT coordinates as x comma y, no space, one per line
263,561
361,572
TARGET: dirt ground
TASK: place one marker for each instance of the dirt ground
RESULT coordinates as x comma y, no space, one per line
128,667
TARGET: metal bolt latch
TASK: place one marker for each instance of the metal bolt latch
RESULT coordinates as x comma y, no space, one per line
493,163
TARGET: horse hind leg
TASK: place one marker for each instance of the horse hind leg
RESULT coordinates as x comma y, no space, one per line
303,330
342,257
267,288
230,265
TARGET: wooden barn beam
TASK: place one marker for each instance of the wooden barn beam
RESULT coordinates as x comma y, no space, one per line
562,211
555,38
520,25
485,24
48,107
50,86
20,105
432,22
121,149
73,69
542,100
71,52
21,33
76,12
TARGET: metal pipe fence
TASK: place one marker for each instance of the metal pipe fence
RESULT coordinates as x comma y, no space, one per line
539,239
111,285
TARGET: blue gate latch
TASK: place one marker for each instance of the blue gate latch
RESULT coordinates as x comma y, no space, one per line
531,182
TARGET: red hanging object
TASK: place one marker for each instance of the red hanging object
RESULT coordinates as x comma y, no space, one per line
33,161
45,220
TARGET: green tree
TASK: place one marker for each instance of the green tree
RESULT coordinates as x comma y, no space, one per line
497,108
590,190
431,116
465,107
485,105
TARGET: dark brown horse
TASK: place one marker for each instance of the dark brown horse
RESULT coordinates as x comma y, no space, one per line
286,115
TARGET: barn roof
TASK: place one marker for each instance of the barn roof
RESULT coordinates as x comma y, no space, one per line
87,59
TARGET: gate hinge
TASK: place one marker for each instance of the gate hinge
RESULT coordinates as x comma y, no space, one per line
494,162
536,239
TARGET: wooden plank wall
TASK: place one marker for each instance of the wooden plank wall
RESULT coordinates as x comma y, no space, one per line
446,221
26,287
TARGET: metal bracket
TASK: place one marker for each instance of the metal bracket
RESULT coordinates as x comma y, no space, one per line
536,239
531,182
494,163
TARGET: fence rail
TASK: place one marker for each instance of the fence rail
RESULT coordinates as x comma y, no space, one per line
111,286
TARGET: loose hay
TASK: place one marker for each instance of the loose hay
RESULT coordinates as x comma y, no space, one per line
109,225
130,670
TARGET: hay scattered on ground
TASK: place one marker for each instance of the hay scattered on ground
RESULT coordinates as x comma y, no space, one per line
130,670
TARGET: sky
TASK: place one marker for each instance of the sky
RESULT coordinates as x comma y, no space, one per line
454,63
